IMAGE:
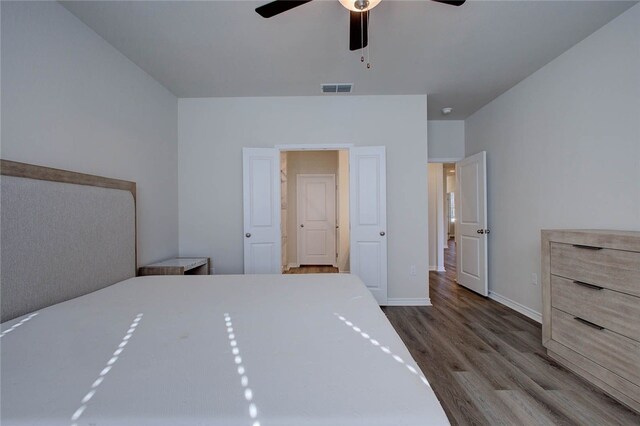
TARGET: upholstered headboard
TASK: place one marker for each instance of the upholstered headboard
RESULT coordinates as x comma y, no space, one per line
62,235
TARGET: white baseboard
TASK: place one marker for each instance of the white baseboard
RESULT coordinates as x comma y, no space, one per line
436,269
293,265
527,312
404,301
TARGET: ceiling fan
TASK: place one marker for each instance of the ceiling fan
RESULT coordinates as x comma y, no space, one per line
358,9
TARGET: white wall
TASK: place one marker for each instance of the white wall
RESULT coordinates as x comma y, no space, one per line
213,131
71,101
563,151
304,162
446,140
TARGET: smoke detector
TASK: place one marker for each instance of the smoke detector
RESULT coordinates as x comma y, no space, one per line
446,110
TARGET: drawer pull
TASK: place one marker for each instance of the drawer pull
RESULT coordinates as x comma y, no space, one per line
595,287
589,323
581,246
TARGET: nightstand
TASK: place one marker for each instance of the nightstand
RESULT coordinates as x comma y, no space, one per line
177,266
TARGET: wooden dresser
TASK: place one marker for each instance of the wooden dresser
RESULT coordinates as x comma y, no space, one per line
591,307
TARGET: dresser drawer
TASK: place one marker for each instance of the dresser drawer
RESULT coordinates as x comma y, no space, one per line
612,310
613,269
612,351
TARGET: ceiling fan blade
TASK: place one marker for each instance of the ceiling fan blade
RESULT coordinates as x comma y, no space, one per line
358,38
451,2
277,7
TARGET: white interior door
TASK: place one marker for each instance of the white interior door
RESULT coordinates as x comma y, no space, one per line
261,205
316,207
472,223
368,214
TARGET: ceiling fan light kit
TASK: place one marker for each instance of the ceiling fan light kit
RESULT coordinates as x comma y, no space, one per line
358,22
359,5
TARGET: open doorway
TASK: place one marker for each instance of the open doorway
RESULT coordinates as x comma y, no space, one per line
362,232
442,217
314,211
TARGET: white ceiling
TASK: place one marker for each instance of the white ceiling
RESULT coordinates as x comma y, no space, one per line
461,56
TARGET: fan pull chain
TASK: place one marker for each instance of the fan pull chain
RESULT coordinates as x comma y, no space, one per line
368,39
361,38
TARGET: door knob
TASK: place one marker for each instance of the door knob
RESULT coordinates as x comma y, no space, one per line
248,235
302,225
382,233
480,231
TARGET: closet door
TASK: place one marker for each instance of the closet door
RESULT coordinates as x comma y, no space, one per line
261,205
368,215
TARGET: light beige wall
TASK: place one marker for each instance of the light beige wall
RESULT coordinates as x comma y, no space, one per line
303,162
343,211
284,206
436,216
451,182
450,186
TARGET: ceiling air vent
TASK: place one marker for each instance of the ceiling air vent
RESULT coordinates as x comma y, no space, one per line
337,88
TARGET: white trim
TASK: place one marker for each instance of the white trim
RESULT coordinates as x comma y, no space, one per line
518,307
436,269
314,147
410,301
444,160
293,265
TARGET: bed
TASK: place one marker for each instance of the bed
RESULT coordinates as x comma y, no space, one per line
206,350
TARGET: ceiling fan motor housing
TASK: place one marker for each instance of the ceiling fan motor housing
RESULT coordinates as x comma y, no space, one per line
361,4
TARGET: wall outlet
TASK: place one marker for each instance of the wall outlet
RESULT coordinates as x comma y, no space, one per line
534,279
412,270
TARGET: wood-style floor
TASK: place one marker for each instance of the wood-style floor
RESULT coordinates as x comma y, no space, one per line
487,365
312,270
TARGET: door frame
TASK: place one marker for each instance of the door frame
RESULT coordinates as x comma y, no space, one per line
331,147
316,147
439,244
298,233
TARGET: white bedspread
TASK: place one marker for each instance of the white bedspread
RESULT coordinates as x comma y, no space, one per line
214,350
